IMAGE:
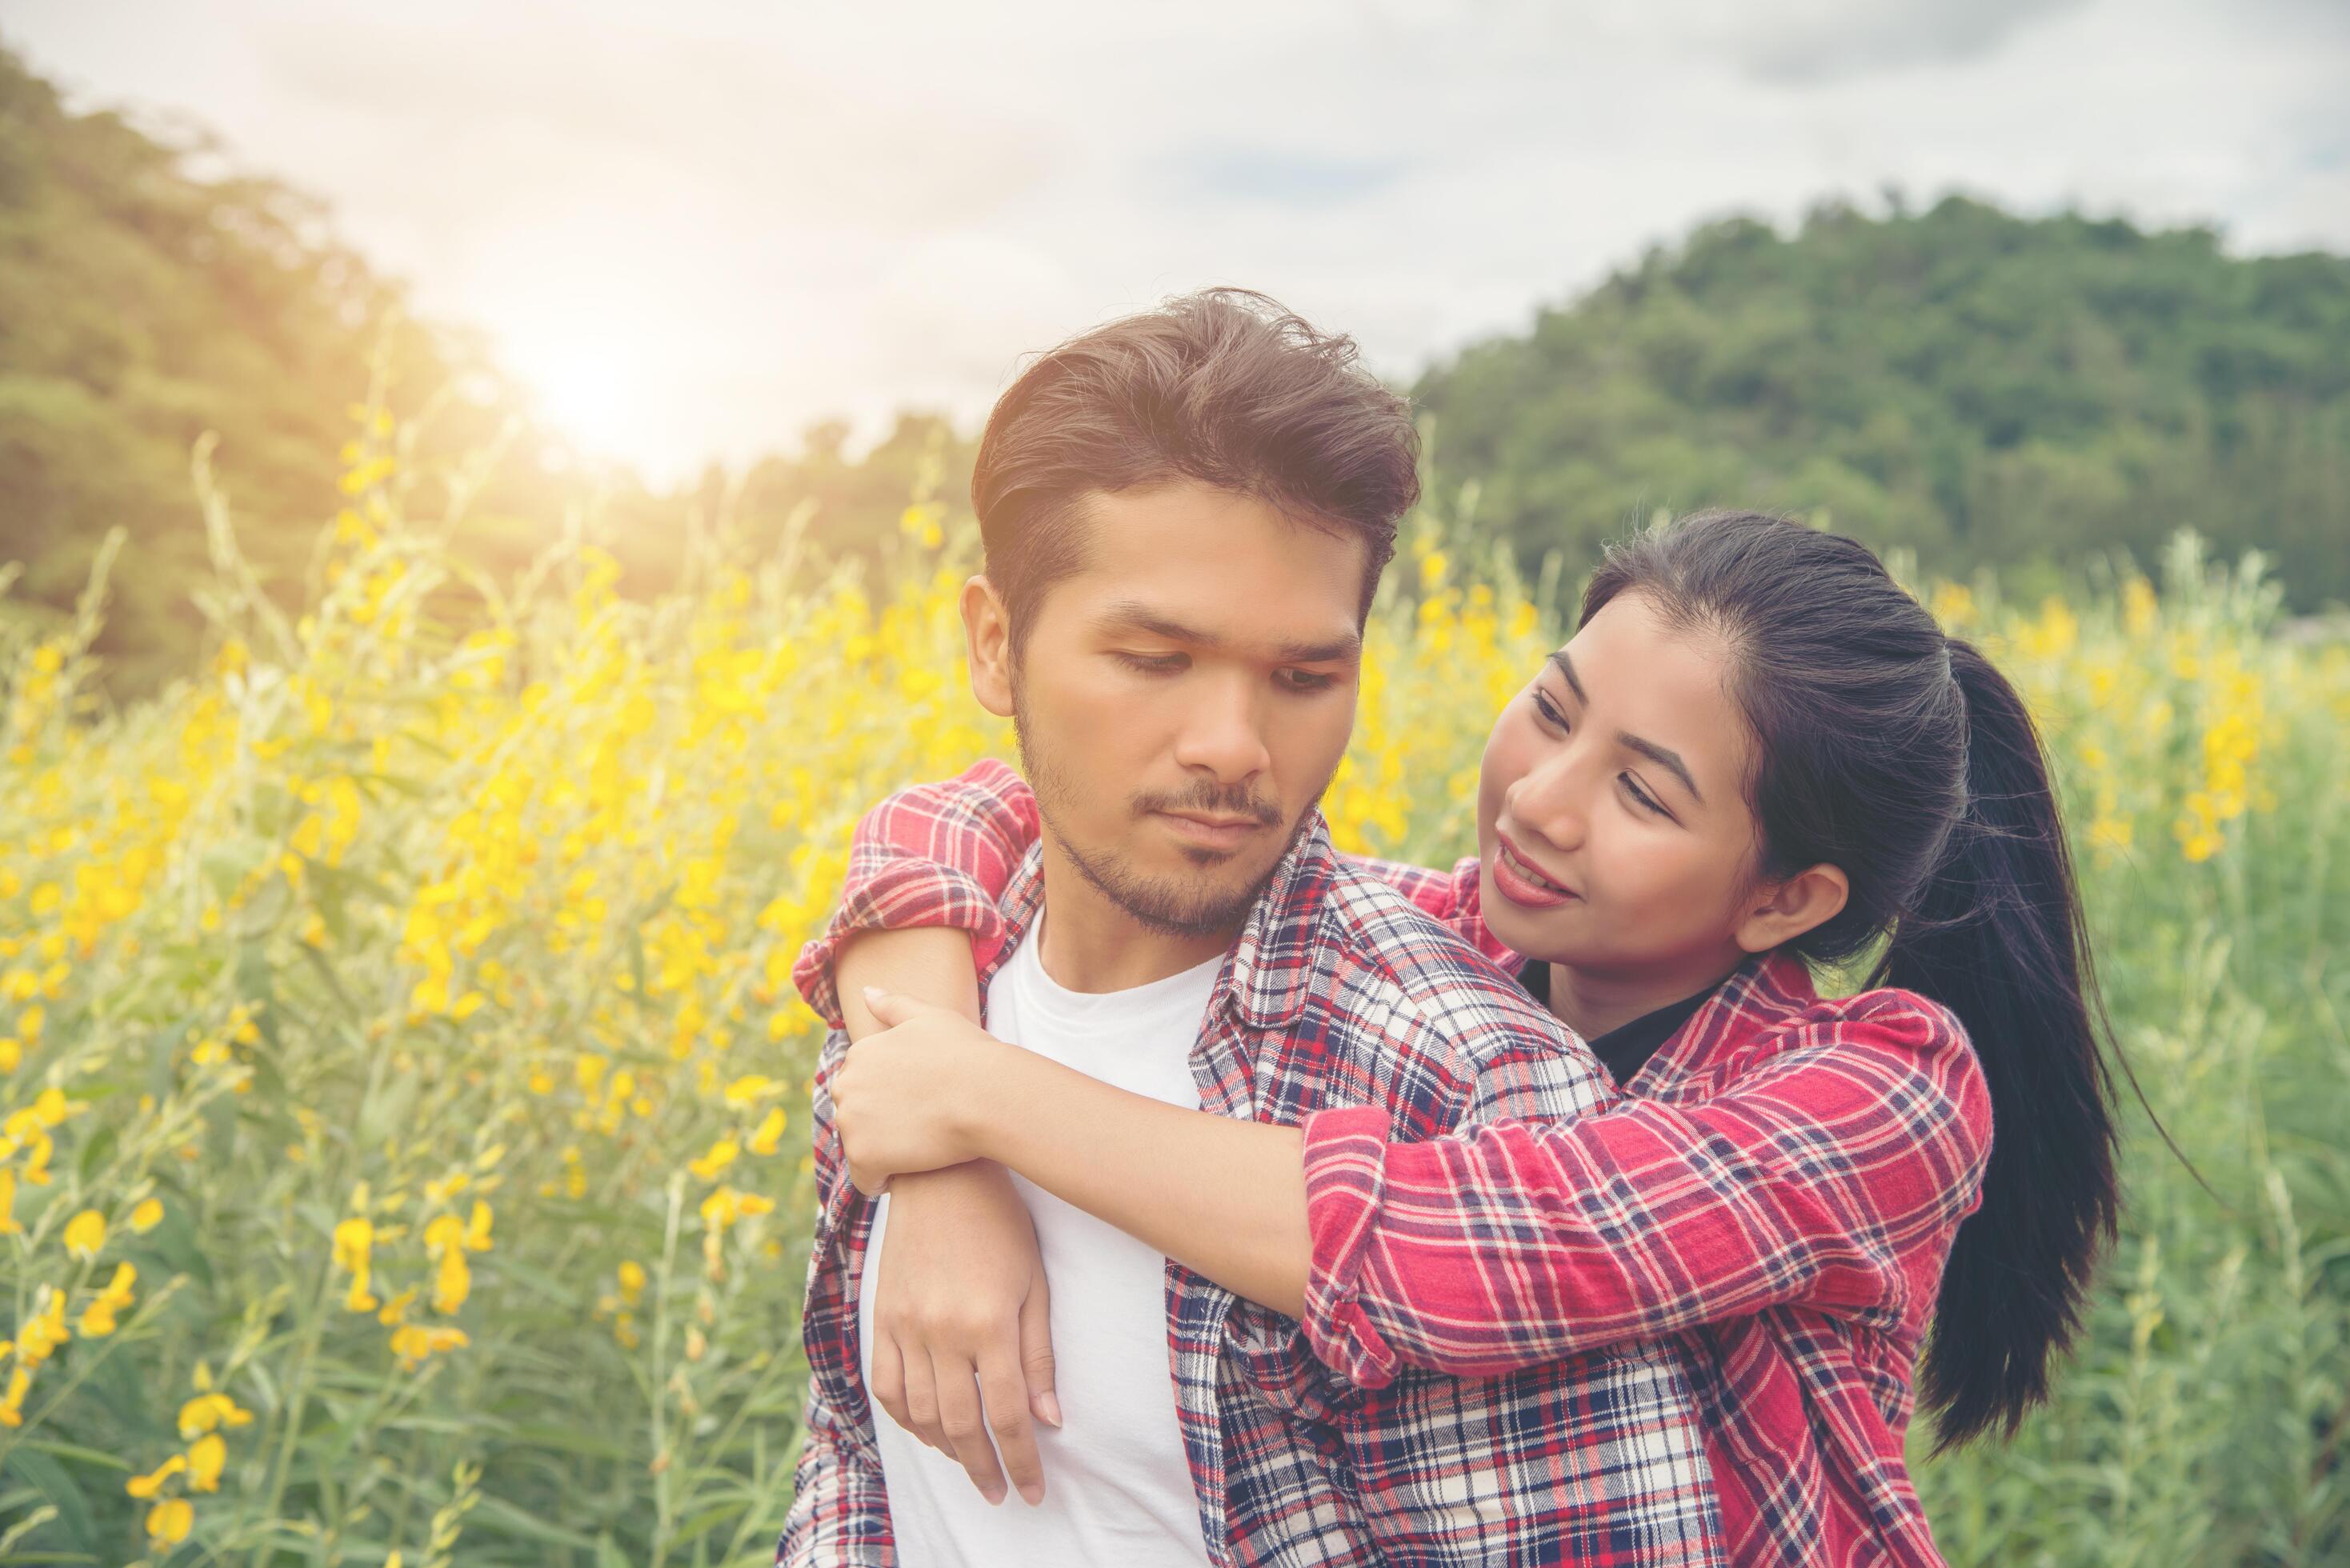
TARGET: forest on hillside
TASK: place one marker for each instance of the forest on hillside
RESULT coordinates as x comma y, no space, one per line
1984,389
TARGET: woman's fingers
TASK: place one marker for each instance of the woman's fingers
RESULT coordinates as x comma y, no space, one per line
959,1417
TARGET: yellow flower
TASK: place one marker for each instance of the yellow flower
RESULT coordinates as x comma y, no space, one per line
751,1086
98,1317
632,1280
722,1154
12,1402
354,1237
452,1282
147,1215
38,1337
207,1412
205,1457
86,1234
170,1520
770,1133
412,1343
148,1485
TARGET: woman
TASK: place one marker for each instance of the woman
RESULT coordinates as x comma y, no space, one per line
1757,753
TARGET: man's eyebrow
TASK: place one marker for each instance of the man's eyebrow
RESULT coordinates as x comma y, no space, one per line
1129,615
1663,756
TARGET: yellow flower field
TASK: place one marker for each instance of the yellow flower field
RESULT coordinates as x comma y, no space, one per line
403,1099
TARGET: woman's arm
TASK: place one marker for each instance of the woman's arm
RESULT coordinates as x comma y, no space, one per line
941,854
1832,1176
1225,1198
931,855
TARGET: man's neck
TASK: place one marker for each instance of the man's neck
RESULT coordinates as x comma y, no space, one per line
1092,944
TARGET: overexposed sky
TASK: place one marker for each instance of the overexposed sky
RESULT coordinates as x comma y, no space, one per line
695,227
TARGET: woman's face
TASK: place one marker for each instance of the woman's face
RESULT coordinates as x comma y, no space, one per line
1612,821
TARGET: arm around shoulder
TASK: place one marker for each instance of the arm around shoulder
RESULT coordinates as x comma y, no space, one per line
1834,1172
934,855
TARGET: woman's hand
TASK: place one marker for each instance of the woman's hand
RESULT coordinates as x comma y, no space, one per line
911,1096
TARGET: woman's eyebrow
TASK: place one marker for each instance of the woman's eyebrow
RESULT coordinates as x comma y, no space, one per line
1663,756
1566,668
1666,758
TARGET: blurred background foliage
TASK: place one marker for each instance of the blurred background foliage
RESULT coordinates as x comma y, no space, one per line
1984,388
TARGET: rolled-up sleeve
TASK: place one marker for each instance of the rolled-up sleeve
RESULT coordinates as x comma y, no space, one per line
1832,1175
931,855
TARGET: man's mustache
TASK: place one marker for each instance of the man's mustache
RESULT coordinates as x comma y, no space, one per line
1211,802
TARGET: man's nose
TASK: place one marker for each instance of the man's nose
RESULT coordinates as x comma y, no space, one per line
1224,732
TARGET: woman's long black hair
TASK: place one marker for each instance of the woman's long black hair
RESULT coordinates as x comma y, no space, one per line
1902,757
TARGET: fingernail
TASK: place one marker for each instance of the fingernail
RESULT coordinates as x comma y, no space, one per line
994,1496
1048,1408
1033,1495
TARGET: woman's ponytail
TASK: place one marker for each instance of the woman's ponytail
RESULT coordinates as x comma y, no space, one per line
1996,936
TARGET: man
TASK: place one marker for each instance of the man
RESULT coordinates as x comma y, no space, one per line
1185,515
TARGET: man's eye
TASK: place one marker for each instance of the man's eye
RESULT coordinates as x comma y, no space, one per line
1165,664
1308,681
1550,715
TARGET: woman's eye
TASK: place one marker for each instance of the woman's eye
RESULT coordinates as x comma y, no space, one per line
1640,798
1550,713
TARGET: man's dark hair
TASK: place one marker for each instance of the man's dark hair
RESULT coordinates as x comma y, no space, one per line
1225,388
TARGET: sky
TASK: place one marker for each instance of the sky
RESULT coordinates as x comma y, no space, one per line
696,228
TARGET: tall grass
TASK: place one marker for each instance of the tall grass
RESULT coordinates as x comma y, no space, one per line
405,1102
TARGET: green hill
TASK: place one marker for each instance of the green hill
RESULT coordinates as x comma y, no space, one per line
1983,388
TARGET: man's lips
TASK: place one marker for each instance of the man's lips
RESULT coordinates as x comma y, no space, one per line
1522,881
1215,831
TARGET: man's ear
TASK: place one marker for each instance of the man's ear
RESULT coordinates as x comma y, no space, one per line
1782,911
988,632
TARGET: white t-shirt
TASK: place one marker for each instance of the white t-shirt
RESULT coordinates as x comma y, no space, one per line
1117,1487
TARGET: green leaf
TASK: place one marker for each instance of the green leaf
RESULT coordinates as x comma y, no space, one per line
58,1485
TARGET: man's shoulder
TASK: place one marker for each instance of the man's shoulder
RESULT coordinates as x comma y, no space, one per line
1384,946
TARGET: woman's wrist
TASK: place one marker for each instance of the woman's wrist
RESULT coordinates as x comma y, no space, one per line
989,1078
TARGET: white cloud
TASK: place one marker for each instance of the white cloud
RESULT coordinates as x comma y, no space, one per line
699,227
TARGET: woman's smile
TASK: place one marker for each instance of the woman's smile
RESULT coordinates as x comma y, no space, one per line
1518,880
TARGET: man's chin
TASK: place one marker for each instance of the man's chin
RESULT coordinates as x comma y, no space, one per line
1169,892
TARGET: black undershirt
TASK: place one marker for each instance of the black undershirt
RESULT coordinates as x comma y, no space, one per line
1624,1049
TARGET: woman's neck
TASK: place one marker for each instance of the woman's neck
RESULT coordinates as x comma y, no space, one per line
1594,1002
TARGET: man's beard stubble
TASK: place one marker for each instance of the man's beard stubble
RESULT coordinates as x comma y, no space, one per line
1165,906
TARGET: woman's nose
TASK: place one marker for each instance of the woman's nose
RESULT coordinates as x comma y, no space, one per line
1549,803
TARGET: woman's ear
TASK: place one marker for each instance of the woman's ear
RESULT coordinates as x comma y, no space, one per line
988,631
1782,911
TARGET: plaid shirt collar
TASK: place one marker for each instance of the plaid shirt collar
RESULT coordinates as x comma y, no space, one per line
1268,976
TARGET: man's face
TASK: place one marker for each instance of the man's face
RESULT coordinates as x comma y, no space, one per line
1182,701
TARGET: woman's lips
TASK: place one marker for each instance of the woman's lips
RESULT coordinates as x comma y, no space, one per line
1515,880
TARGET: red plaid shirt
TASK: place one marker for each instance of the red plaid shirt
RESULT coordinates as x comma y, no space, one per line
1338,992
1782,1194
